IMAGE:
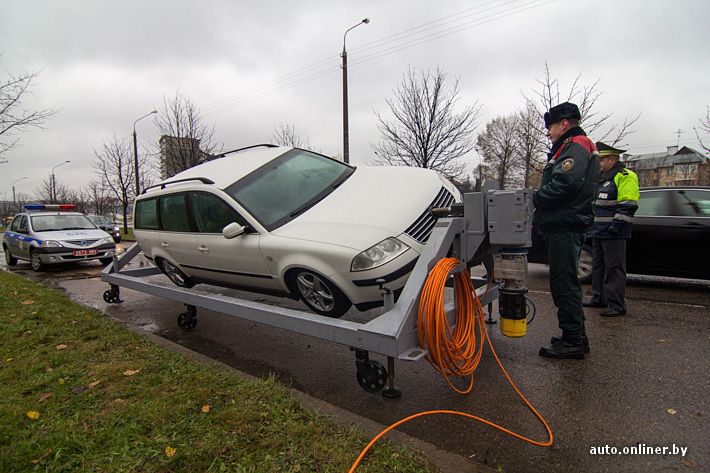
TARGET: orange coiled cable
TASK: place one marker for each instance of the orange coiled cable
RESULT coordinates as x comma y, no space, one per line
455,353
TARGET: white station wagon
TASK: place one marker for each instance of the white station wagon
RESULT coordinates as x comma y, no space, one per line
288,221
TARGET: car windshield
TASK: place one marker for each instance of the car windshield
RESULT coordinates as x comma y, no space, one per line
288,186
49,223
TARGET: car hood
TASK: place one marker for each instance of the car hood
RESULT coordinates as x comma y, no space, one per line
373,204
90,234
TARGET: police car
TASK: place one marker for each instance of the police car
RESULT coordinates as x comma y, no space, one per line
51,234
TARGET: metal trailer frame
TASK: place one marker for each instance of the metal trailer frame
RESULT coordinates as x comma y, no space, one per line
393,333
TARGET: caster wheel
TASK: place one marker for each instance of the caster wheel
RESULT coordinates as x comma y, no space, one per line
373,378
187,321
111,297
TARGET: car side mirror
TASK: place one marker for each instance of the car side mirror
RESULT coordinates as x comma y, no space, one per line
233,230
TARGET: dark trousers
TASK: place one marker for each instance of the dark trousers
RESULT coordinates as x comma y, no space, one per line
563,249
609,272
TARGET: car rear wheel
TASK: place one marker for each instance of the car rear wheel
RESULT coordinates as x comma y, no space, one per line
37,264
584,269
175,274
319,294
9,259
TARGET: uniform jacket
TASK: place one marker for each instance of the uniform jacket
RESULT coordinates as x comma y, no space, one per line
569,184
616,204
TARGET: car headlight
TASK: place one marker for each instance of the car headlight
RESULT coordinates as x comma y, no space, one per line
106,241
115,229
383,252
51,244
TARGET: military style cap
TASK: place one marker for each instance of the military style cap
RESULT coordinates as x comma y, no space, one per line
563,110
606,150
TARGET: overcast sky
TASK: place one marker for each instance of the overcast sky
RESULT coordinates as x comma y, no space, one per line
250,65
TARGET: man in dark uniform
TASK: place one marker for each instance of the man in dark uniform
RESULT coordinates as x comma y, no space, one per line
563,214
614,209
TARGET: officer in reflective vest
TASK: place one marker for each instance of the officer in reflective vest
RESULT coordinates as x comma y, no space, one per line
617,201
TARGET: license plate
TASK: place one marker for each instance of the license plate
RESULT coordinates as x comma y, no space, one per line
84,252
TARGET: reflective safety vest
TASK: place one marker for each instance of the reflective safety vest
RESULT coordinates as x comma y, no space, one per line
616,204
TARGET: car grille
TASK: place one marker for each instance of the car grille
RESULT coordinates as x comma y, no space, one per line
82,242
422,227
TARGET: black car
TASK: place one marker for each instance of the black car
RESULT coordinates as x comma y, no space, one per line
107,225
670,236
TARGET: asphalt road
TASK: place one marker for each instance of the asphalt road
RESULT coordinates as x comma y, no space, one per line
645,381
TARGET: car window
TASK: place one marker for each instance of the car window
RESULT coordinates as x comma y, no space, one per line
211,213
693,203
147,214
50,223
173,213
652,203
287,186
16,223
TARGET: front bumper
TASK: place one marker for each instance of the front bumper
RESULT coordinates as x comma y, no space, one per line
65,255
362,287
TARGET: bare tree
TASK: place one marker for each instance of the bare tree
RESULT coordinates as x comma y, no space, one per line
704,129
114,166
14,118
531,146
186,140
586,97
97,196
426,130
53,194
498,146
285,135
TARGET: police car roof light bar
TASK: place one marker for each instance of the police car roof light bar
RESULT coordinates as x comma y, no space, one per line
59,207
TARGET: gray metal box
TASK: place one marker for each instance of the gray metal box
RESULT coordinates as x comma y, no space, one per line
510,217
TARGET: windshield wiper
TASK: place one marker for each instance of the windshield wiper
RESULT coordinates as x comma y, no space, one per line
74,228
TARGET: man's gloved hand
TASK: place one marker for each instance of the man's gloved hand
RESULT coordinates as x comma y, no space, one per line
615,227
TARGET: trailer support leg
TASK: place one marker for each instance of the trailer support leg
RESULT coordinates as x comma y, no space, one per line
391,392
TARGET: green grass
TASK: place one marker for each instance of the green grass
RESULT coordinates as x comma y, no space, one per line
73,366
128,236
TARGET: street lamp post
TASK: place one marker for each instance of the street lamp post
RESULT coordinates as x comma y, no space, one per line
53,190
135,150
14,201
344,55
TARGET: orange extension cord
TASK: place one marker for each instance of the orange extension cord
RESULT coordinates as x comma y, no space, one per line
455,354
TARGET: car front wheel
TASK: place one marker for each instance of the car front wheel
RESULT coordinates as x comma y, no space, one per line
319,294
584,269
9,259
37,264
175,274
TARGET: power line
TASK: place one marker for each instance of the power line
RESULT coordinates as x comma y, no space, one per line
323,67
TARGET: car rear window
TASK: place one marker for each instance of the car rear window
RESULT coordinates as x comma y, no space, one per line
147,214
173,213
652,203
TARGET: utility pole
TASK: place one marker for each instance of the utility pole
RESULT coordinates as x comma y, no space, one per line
135,151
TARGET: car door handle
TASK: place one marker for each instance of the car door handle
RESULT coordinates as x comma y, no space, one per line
165,244
203,249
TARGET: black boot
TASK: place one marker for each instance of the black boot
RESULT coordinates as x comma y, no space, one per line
564,349
585,341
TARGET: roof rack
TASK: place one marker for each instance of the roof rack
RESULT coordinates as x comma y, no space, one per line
162,185
265,145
